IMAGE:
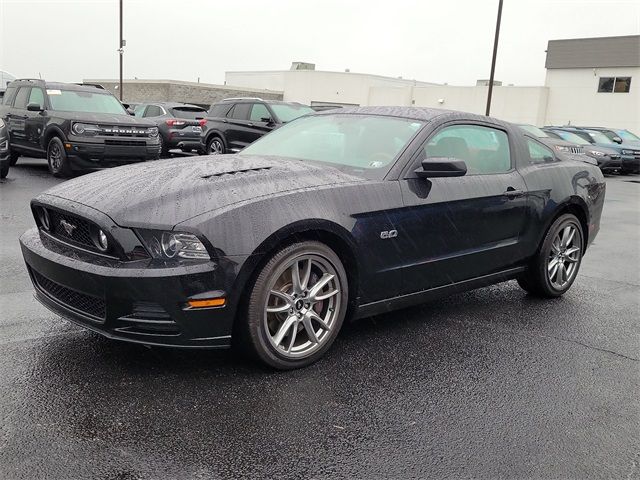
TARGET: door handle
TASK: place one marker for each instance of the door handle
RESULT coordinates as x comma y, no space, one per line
249,124
513,193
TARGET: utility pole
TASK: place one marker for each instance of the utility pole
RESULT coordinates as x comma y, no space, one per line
493,60
121,49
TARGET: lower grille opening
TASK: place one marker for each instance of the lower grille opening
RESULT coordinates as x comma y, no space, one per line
148,318
81,302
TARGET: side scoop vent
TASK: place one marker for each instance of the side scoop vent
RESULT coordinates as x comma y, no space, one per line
237,172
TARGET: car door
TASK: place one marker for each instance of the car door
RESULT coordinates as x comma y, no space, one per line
261,122
35,121
237,134
17,117
458,228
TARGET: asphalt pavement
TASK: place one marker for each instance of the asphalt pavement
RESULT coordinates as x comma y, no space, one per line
487,384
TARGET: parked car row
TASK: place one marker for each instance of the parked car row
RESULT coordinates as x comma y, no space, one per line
84,127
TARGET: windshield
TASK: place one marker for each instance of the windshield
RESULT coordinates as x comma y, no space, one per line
532,129
571,137
189,113
363,144
286,113
599,137
627,135
83,101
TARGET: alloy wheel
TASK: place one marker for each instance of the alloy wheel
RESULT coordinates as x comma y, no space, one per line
564,257
302,306
55,157
215,147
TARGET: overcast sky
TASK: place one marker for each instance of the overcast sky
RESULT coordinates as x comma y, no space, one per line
430,40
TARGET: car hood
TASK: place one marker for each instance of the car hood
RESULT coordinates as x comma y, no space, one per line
601,148
163,193
103,118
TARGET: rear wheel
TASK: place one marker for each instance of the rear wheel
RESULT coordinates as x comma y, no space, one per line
215,146
555,267
296,306
57,159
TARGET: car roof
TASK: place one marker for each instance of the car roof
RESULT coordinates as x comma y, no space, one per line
414,113
172,104
59,85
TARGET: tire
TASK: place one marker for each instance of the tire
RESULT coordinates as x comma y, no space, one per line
215,146
289,330
555,266
4,171
57,159
13,158
164,151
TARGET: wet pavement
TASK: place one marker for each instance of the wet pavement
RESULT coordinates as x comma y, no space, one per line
487,384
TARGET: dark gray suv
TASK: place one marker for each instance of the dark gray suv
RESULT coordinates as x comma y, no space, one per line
235,123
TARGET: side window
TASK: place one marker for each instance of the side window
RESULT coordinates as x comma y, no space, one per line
259,112
22,97
9,95
219,110
36,96
139,110
153,111
240,111
483,149
539,153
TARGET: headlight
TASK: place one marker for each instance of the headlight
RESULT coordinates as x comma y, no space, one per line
85,129
596,153
562,148
627,152
152,132
173,245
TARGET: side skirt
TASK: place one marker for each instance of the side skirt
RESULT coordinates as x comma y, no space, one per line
410,299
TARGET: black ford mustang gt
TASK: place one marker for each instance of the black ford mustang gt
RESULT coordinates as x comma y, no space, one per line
354,212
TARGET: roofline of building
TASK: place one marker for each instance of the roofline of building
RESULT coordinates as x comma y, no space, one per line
593,38
180,82
396,79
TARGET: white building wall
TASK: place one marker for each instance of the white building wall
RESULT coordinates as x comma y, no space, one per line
574,98
514,104
308,86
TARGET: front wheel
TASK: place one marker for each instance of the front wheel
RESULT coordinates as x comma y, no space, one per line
555,267
4,171
57,159
13,158
296,306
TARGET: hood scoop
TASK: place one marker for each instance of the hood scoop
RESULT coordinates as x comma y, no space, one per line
235,172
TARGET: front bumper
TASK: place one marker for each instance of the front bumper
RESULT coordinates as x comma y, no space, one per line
101,155
140,305
630,163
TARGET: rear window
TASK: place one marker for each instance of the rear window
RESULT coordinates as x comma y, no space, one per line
190,113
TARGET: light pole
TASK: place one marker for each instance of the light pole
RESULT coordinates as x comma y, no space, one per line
121,49
493,60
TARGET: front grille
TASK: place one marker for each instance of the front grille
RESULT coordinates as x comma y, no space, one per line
122,131
71,229
613,156
578,150
85,304
127,143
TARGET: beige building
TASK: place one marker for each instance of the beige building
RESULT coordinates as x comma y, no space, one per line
593,81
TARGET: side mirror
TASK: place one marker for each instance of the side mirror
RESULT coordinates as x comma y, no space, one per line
34,107
617,139
267,120
130,111
441,167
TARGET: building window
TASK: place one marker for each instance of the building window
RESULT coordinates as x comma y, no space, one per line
622,84
614,84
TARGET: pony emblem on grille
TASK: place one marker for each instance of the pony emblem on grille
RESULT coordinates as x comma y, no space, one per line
68,227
